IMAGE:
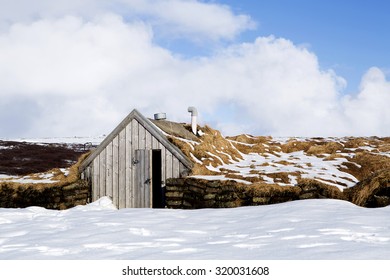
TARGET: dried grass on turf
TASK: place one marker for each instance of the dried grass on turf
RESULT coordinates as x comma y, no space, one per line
249,139
370,164
385,145
213,149
361,164
201,169
326,148
283,177
356,142
251,179
251,144
372,190
294,145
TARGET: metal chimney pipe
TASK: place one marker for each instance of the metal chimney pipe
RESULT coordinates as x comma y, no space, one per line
194,115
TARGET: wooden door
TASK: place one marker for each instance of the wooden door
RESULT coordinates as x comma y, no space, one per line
142,179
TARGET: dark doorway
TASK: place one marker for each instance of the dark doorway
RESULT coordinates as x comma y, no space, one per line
158,200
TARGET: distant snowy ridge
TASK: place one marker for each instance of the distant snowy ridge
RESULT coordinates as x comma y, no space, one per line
95,140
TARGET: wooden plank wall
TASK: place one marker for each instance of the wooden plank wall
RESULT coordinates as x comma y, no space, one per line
113,173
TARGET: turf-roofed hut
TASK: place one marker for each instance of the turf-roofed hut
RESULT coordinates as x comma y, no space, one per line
134,161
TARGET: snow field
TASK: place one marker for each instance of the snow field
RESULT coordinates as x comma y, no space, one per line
308,229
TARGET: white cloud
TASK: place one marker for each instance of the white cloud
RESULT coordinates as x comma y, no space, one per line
78,73
197,19
368,113
76,76
191,19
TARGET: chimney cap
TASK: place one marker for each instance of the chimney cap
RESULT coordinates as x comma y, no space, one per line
160,116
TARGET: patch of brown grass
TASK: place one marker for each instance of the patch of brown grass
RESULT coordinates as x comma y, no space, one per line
182,145
324,148
374,191
283,162
385,145
334,156
245,149
294,145
370,164
355,142
251,179
250,144
200,169
249,139
213,148
282,177
225,170
256,148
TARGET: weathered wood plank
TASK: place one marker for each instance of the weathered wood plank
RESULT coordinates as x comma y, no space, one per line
143,179
102,173
141,137
127,164
134,134
95,179
109,169
148,179
168,164
175,167
163,162
122,169
134,147
155,143
138,187
115,172
148,140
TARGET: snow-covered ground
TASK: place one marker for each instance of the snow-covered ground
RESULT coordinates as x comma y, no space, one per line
308,229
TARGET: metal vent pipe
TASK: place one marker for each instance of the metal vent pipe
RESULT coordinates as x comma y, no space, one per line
194,115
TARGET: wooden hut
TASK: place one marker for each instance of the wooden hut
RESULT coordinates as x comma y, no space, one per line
132,164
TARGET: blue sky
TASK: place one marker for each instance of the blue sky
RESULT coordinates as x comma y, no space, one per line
281,68
348,36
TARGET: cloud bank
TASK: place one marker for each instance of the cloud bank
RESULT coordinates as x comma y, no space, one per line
79,70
